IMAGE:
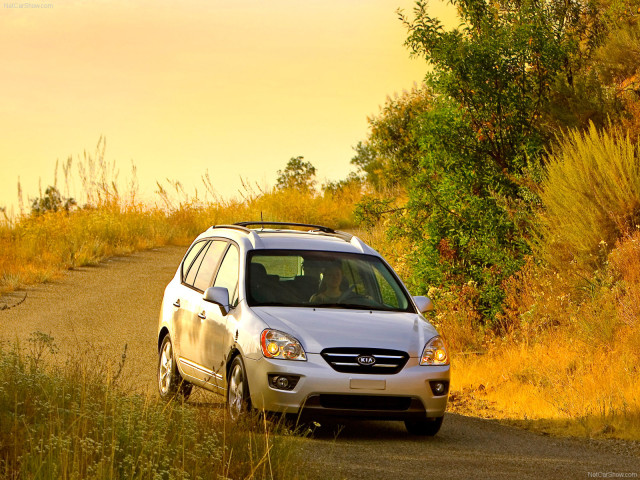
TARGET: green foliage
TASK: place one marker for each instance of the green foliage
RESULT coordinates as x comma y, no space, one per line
503,84
498,66
482,137
391,153
297,175
370,210
52,201
591,197
617,63
353,181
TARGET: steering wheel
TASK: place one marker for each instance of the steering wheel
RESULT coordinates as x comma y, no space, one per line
352,297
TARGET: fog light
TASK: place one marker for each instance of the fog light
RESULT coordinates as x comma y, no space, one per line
439,388
283,382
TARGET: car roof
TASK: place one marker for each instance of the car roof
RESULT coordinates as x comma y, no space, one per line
290,236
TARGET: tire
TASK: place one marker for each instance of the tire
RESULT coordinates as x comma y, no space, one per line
170,383
425,428
238,403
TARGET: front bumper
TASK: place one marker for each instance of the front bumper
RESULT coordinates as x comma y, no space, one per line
322,391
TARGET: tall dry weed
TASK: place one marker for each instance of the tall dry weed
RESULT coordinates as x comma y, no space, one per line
75,418
591,198
537,299
625,262
35,248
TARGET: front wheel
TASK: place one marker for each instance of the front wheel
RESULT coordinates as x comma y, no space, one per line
427,427
170,382
237,390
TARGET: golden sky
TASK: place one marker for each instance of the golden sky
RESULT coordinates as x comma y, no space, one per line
235,87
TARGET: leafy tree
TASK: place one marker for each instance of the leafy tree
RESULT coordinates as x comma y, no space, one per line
391,153
353,180
482,138
297,175
52,201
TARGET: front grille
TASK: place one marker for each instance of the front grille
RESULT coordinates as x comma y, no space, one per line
364,402
345,360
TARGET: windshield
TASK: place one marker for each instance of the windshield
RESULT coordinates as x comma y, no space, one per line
323,280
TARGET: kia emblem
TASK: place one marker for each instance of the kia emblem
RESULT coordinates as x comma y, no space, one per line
366,360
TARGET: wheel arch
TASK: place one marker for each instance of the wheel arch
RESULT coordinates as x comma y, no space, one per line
233,353
164,331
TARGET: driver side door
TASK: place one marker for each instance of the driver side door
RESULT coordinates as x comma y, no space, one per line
214,337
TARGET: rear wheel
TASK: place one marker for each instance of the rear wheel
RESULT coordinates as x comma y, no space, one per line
237,390
170,383
427,427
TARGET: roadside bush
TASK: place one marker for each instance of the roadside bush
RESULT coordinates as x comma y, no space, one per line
590,197
567,364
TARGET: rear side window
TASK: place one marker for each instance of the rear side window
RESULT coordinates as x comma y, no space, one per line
209,264
201,265
190,265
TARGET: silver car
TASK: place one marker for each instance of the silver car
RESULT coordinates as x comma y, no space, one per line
304,320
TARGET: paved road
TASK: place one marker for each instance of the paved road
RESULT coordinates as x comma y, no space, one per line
100,309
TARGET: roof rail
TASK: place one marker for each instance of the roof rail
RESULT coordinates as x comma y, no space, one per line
289,224
253,236
234,227
344,235
242,226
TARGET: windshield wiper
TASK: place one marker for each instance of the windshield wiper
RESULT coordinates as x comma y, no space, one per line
350,306
344,306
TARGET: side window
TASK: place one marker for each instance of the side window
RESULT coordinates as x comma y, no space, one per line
192,261
209,264
389,289
228,274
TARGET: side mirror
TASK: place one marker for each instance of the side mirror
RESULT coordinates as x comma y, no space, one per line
219,296
424,304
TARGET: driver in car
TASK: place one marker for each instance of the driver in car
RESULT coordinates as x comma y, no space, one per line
330,290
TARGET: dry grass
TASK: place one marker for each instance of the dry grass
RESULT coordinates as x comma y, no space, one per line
76,419
109,219
566,358
35,248
568,365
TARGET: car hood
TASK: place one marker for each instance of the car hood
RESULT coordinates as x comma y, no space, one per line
322,328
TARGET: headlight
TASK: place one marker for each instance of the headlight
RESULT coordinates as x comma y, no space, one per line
276,344
435,352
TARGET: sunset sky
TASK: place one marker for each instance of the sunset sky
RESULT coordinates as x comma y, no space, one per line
233,86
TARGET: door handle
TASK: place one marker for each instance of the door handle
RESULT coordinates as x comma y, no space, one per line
202,315
176,303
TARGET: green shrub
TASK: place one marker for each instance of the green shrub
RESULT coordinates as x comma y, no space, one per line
590,197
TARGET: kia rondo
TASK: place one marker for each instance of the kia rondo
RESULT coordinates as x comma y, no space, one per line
300,319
